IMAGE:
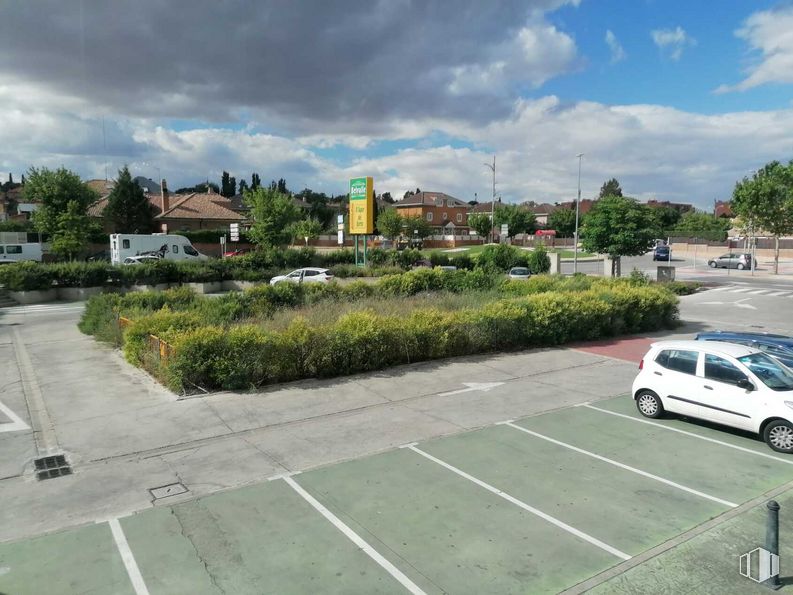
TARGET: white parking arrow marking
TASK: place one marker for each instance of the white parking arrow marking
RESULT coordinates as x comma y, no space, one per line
472,386
739,304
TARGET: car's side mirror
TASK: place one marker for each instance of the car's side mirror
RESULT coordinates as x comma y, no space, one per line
745,384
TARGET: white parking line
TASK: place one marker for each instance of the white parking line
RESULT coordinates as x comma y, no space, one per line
705,438
759,291
741,290
16,425
554,521
623,466
129,560
355,538
722,288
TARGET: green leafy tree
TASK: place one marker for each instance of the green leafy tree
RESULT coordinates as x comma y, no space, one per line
618,226
518,220
667,217
417,226
765,202
54,190
305,229
256,181
563,221
272,213
610,188
243,187
127,208
72,233
702,225
480,223
390,224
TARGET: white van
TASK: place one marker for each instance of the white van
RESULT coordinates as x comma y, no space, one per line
19,252
169,247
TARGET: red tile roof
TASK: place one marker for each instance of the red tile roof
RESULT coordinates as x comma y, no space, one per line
200,206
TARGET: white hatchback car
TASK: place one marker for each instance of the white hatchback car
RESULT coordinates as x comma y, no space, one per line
306,275
725,383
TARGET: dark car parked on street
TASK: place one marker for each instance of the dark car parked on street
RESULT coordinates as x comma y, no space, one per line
779,347
662,253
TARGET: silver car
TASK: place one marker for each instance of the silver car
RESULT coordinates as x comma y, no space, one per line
732,260
519,273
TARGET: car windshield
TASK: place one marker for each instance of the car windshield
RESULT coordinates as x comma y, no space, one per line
773,374
519,271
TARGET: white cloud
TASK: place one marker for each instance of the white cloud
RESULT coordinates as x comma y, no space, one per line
770,34
617,52
672,42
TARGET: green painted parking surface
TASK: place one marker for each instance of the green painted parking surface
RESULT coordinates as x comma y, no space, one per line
80,561
621,508
710,468
627,406
449,534
259,539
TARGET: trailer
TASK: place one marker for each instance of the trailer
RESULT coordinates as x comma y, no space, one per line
168,247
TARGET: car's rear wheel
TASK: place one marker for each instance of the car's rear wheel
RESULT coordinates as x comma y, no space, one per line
741,266
712,264
779,436
649,404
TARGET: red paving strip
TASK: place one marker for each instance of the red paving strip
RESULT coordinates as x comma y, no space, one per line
629,350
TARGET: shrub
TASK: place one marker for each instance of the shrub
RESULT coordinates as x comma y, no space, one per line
502,257
538,260
378,257
26,276
80,274
682,287
463,261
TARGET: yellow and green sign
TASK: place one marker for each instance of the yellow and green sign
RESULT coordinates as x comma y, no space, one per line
361,205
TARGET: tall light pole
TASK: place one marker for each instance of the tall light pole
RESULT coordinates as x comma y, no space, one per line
493,200
577,202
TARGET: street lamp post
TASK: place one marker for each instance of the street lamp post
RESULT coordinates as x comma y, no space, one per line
493,199
577,202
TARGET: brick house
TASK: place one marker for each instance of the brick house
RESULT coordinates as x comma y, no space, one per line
445,213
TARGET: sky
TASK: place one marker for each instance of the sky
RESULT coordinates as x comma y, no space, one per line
677,100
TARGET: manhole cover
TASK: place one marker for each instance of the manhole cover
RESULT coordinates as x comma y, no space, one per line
52,466
172,489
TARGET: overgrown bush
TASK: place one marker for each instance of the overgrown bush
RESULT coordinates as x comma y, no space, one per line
502,257
538,260
26,276
682,287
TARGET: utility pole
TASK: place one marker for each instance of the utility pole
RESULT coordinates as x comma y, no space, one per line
577,202
493,200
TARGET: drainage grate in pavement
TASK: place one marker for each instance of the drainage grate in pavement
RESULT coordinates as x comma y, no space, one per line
172,489
52,466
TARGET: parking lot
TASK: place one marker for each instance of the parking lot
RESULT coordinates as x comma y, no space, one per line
535,505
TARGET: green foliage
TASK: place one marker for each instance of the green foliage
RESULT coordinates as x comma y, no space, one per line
538,260
128,209
619,226
563,221
12,225
701,225
682,287
502,257
26,276
417,226
72,233
273,212
610,188
389,224
480,223
55,189
518,219
305,229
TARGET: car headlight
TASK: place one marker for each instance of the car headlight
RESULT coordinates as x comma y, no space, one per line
789,404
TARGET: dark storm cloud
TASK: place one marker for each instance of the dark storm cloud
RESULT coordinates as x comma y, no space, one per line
346,64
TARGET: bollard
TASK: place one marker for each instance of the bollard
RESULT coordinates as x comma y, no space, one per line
772,538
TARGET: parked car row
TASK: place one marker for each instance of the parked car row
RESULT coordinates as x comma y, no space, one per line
740,380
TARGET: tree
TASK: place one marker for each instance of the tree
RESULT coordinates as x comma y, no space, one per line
202,188
667,217
390,224
127,208
73,230
273,213
618,226
306,229
54,190
407,194
702,225
417,225
480,223
563,221
765,202
256,181
386,197
518,220
610,188
243,187
228,185
232,186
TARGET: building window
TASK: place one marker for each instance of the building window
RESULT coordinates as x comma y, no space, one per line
459,217
429,216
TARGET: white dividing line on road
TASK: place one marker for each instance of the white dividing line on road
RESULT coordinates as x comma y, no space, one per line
16,425
741,290
705,438
779,293
759,291
554,521
355,538
129,560
623,466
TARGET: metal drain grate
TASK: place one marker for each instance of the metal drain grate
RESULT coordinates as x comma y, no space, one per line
52,466
172,489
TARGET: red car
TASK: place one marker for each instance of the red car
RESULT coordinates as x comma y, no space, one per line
238,252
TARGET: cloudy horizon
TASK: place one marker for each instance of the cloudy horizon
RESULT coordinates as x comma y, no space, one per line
415,94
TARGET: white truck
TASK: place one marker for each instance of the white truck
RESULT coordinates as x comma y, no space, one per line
169,247
18,252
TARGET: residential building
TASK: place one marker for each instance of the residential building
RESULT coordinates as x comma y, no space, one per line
541,211
680,207
446,213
